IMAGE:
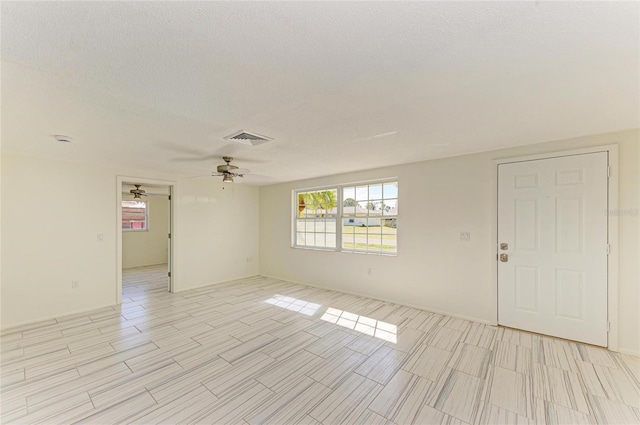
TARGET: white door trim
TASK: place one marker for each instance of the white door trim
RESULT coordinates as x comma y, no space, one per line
612,261
173,190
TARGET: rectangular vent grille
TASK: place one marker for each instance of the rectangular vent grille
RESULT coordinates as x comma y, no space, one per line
247,138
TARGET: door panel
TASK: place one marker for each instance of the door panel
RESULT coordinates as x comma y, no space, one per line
552,216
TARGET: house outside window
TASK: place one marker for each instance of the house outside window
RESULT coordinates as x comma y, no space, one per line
135,216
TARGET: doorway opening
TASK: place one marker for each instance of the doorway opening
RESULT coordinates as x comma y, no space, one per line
145,241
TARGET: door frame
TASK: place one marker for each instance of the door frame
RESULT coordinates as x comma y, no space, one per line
612,229
172,185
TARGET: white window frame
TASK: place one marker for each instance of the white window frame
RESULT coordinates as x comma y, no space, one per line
368,217
295,203
146,215
339,216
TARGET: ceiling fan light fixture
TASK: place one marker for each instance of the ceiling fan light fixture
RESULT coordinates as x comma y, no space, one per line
228,178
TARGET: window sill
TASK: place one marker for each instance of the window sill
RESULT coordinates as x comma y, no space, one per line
309,248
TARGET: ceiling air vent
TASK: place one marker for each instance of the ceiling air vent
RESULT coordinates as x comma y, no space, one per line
247,138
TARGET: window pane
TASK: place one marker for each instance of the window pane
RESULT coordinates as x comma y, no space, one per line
389,243
390,207
310,238
320,227
331,240
374,242
361,209
375,191
375,207
362,193
300,239
134,215
390,190
309,225
348,241
330,226
300,226
349,193
360,239
319,240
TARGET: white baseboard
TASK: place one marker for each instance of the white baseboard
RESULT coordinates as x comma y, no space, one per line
629,352
425,308
58,316
214,283
146,265
4,329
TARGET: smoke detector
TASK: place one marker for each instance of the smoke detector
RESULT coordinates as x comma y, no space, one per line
247,138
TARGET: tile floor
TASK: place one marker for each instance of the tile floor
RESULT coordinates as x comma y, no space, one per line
261,350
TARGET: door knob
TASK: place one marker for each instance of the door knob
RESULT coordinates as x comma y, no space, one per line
504,257
504,246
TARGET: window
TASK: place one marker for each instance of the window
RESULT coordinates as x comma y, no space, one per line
367,214
135,216
316,218
370,217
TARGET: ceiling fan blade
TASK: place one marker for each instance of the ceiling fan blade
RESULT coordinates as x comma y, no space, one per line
231,149
241,171
147,194
195,158
200,176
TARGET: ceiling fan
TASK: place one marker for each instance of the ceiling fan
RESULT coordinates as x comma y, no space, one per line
137,192
228,171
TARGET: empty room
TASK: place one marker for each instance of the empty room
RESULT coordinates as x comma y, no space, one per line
320,212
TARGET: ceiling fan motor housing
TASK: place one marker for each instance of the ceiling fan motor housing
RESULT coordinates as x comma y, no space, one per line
227,168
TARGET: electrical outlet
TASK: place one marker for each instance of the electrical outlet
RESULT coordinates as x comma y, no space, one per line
100,237
369,271
465,236
75,284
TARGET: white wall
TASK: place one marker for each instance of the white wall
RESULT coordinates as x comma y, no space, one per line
145,248
434,269
53,210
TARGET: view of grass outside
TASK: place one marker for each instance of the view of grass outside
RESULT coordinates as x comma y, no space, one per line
375,238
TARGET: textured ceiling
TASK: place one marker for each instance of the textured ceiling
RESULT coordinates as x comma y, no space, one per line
339,86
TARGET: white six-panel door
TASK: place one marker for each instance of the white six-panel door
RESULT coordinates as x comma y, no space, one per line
552,274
